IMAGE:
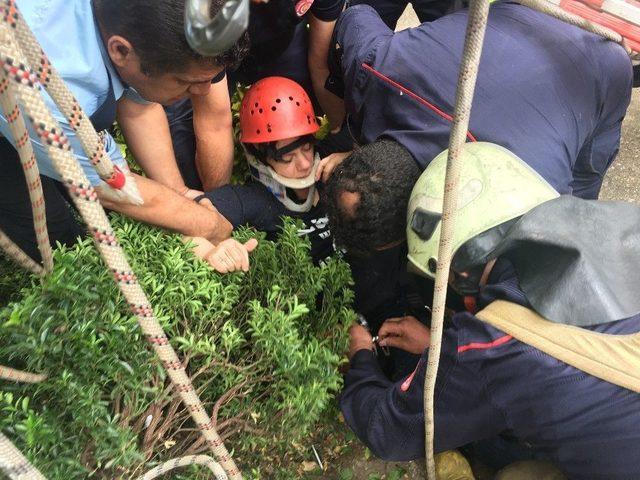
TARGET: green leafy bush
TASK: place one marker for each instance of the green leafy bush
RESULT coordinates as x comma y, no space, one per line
263,349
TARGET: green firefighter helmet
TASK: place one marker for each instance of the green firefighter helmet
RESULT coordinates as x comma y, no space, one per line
496,187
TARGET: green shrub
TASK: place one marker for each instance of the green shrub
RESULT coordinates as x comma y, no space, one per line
263,349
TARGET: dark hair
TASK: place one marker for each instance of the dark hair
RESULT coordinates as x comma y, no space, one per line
267,150
155,28
382,175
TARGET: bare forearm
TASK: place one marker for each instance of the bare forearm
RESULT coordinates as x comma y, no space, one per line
164,208
320,33
332,105
214,158
146,131
213,129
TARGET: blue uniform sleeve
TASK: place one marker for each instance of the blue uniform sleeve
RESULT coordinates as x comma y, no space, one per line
327,10
357,34
389,417
45,165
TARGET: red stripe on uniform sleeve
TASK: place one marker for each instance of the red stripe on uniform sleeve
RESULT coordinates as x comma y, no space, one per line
483,346
414,95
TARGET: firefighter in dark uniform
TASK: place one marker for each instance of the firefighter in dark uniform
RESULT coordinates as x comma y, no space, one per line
548,357
550,92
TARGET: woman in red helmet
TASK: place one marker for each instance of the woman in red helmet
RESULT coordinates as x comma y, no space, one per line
277,125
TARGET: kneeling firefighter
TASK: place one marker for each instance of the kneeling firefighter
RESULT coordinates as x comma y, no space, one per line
548,354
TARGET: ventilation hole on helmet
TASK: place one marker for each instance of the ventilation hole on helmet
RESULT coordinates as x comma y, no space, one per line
273,109
298,104
291,98
278,100
432,264
251,112
260,110
258,131
256,105
269,130
305,100
308,120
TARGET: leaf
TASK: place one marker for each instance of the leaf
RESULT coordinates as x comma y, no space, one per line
346,474
309,466
396,474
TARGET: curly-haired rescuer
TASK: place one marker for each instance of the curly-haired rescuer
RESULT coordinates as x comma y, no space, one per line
368,194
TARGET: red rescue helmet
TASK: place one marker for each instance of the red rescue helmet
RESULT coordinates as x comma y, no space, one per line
276,108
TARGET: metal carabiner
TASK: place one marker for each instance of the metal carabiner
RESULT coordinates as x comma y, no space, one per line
213,36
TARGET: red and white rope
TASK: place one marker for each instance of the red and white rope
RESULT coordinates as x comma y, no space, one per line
14,464
476,25
7,373
203,460
15,253
11,109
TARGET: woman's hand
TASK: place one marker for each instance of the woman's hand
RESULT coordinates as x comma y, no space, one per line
328,165
230,255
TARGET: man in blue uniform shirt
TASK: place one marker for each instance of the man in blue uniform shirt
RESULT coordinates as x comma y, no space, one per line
521,253
114,55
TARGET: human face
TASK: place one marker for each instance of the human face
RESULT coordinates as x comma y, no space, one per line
297,163
168,88
164,88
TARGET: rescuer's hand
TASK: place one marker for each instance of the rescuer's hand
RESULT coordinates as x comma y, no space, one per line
328,165
191,194
406,333
359,339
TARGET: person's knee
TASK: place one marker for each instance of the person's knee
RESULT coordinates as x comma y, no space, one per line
530,470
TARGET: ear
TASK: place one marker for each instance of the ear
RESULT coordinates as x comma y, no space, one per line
120,50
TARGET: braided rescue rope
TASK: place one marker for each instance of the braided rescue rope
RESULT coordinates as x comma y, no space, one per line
7,373
555,11
9,105
15,253
203,460
93,145
27,88
13,463
476,25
